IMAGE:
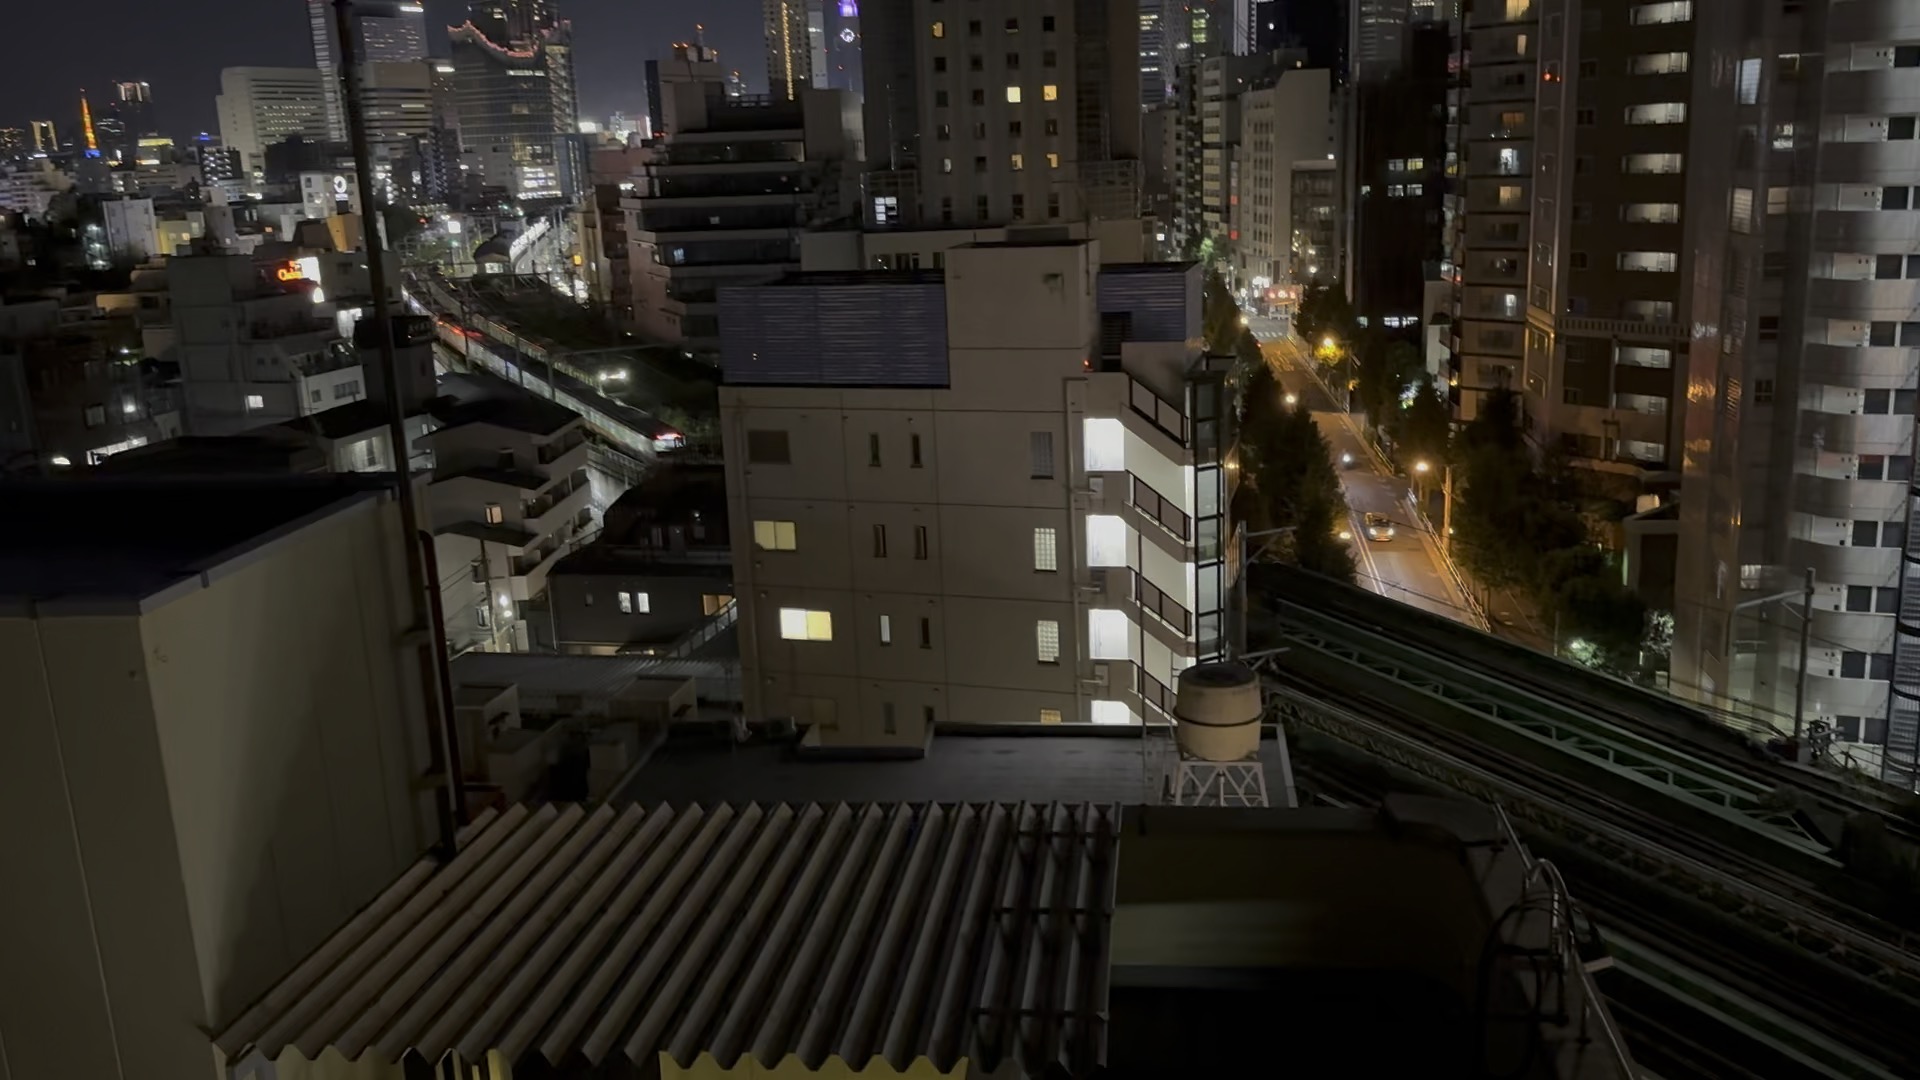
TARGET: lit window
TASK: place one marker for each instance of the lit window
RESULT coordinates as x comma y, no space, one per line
1047,641
1112,712
714,603
1045,552
939,29
642,603
1106,540
1415,164
1017,162
886,629
494,514
1049,716
626,603
1107,634
1013,95
256,401
799,624
774,535
1106,442
1050,92
1053,161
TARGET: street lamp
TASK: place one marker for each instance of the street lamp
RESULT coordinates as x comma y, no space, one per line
1446,504
1293,399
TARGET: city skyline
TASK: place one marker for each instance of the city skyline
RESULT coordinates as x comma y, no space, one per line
182,62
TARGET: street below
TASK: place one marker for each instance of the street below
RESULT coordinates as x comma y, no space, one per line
1407,568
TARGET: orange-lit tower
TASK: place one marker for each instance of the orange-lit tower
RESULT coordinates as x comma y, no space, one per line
86,124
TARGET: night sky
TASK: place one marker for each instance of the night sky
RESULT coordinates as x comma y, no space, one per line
180,46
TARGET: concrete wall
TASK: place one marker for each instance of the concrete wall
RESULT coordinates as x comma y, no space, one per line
586,606
199,796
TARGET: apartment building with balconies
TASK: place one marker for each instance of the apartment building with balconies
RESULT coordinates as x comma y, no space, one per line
1003,504
257,342
1622,178
510,495
1801,391
1496,113
728,191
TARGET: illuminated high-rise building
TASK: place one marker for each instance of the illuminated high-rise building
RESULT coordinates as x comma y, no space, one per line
514,94
86,127
385,32
45,140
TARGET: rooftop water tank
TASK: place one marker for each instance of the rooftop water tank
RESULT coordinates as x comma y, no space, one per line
1219,712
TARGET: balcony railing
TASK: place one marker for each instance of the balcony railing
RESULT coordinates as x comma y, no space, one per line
1160,508
1161,414
1161,606
555,451
1153,693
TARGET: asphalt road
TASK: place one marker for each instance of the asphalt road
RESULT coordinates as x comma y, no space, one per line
1407,568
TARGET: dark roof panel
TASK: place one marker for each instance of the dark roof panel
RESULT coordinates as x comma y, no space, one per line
752,933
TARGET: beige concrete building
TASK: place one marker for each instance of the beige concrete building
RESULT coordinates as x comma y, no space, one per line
509,496
1282,122
1004,504
211,740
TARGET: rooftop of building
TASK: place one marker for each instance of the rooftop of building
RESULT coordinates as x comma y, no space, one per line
1178,267
1021,939
86,540
1124,769
342,421
215,456
519,412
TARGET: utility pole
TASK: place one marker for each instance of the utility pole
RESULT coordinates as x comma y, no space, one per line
1446,513
431,648
1800,682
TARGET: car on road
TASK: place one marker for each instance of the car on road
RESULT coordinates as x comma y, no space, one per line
1379,528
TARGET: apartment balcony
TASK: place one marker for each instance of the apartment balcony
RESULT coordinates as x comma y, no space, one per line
565,496
1834,562
1868,162
1853,631
1864,299
1865,230
1628,330
1844,697
566,444
1161,615
1836,497
1851,433
1156,698
1865,367
1873,22
1875,91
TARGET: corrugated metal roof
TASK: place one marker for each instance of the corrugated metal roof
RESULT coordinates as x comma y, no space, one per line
897,931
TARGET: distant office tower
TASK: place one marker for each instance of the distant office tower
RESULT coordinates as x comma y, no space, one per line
991,114
122,119
1156,67
384,33
1284,142
789,49
44,139
261,106
13,140
514,94
1378,33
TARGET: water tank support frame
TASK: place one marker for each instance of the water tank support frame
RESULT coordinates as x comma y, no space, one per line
1196,782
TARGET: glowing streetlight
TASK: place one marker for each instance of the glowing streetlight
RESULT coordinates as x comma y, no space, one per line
1421,467
1244,321
1327,342
1293,399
